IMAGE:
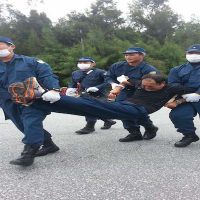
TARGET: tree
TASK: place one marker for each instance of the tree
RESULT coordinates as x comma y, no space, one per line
188,33
154,18
105,15
71,28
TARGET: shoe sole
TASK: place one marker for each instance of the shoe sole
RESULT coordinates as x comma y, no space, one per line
21,164
187,144
83,133
131,140
44,154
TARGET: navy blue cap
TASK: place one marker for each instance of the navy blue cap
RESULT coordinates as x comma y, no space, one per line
86,59
193,48
135,50
6,40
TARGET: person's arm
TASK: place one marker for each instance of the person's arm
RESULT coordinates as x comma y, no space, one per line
72,89
45,75
110,76
102,75
73,83
48,80
173,77
111,79
174,102
177,91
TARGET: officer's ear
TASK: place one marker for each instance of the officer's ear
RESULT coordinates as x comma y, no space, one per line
12,47
163,84
93,64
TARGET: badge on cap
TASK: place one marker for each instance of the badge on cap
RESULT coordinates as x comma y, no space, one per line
40,61
153,72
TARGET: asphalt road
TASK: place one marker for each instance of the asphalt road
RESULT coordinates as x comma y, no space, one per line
98,167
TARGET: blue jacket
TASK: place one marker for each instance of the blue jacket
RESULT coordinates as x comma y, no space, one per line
187,75
17,70
22,67
134,73
92,78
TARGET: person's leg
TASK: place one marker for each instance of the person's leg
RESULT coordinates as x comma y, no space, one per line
115,110
13,113
33,126
134,131
89,127
150,129
95,108
108,123
32,120
48,145
182,117
134,126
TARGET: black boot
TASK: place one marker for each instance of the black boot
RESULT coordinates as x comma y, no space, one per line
150,132
186,140
27,156
108,123
89,128
48,147
134,135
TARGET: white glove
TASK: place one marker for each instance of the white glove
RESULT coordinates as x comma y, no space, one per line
114,85
71,92
51,96
122,78
193,97
92,89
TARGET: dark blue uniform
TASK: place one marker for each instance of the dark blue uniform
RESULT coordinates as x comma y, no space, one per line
27,119
182,116
135,74
92,78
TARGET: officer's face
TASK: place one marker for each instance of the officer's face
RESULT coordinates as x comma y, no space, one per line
6,46
150,85
6,51
88,63
84,66
134,58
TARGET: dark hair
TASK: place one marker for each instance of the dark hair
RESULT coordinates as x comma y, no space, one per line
158,78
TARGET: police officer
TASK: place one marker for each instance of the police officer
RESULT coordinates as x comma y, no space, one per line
89,80
15,68
124,78
182,116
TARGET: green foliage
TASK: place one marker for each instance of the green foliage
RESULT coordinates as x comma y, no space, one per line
188,33
101,33
154,18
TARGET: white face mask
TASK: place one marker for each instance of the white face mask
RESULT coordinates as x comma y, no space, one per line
193,58
4,53
83,66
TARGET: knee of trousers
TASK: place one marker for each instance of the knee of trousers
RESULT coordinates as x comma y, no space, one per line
175,115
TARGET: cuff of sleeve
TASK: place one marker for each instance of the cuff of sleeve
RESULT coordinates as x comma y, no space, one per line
121,86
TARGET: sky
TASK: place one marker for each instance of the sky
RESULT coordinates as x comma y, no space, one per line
56,9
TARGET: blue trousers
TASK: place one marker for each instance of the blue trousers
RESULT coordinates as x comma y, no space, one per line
29,121
183,117
91,119
131,124
100,109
